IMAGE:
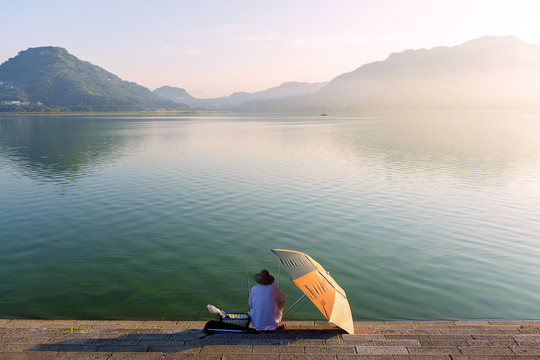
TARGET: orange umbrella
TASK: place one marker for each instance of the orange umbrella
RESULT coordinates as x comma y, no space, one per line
319,287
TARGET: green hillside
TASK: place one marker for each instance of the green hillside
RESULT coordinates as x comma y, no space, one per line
50,78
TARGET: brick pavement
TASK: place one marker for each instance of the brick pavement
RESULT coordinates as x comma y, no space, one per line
113,340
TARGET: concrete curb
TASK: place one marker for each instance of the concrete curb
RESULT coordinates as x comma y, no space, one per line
111,340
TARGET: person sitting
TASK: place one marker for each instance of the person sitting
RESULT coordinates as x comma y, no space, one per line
266,302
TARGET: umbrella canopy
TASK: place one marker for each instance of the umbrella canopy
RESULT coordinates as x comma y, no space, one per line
319,286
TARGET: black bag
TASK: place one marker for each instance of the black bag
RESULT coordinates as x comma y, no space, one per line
233,323
220,327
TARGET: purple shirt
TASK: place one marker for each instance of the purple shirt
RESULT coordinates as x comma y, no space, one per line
264,309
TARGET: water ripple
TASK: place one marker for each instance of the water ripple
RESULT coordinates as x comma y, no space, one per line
142,217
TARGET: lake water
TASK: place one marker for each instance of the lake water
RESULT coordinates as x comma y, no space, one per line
417,216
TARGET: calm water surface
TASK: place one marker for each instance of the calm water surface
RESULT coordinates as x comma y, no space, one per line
416,216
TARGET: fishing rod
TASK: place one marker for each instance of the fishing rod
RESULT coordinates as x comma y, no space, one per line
247,279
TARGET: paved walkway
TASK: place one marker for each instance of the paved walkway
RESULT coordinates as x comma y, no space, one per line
112,340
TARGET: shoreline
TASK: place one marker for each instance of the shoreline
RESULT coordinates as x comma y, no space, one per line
315,112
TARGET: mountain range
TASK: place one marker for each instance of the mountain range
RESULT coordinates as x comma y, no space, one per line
50,78
236,100
489,73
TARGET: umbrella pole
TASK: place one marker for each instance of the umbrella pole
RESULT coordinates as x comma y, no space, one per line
297,301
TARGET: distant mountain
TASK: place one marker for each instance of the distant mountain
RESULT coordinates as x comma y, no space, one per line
179,96
236,100
175,94
489,73
52,78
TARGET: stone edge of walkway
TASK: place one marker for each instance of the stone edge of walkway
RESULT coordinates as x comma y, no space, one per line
115,339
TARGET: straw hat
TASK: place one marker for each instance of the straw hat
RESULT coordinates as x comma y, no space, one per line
263,277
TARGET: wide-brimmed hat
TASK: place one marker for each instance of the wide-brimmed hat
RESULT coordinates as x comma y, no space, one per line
263,277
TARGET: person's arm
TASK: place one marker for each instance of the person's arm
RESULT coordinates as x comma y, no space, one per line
281,304
280,300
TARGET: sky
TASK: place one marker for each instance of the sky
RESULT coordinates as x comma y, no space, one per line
215,48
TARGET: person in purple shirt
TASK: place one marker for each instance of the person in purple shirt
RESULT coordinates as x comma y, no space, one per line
266,302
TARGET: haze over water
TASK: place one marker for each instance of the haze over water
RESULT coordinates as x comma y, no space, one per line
430,216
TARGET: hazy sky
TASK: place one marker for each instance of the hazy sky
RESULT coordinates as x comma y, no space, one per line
214,48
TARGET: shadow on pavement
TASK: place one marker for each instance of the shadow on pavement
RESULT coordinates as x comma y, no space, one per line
189,340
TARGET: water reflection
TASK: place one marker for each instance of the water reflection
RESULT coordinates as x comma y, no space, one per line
475,147
59,149
482,148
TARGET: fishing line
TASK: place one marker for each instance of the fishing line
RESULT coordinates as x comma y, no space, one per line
247,279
